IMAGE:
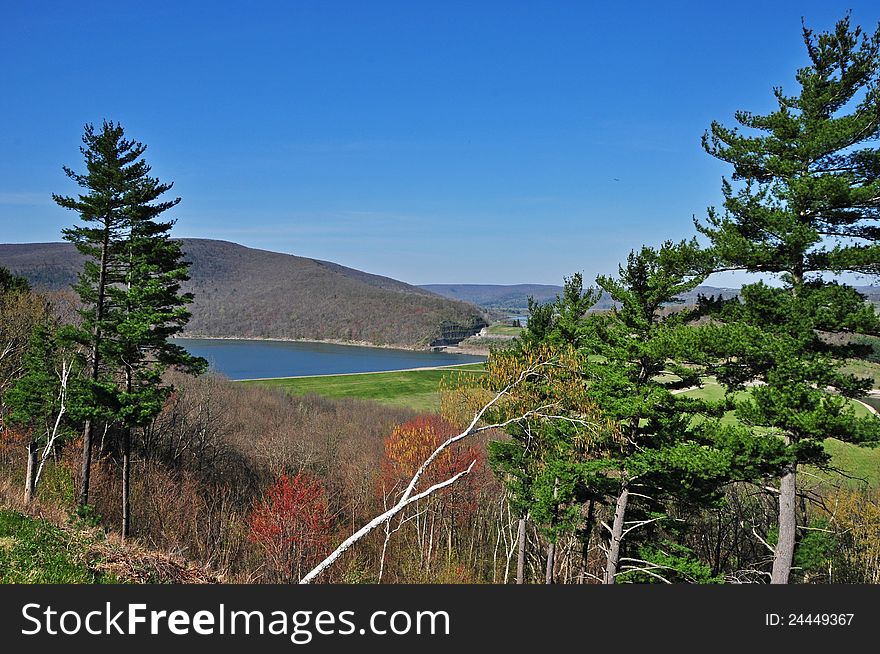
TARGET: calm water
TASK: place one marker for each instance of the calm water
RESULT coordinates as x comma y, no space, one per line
256,359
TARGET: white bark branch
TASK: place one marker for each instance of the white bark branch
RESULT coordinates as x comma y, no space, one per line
55,433
764,542
378,520
640,523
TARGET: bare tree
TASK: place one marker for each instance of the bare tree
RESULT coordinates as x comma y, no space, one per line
56,430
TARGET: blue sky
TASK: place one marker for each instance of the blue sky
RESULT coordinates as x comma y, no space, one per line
485,142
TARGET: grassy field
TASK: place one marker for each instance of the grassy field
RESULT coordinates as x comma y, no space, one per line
415,389
500,329
861,465
34,551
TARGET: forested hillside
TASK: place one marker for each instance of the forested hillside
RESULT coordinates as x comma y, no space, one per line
243,292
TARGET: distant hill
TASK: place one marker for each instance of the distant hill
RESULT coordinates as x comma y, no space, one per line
514,298
248,293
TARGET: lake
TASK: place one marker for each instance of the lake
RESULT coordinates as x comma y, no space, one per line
244,359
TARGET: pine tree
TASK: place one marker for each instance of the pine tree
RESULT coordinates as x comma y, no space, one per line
21,310
802,204
129,288
10,283
635,378
153,309
553,469
112,171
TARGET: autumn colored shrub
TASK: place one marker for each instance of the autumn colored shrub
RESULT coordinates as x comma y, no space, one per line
292,525
435,524
411,443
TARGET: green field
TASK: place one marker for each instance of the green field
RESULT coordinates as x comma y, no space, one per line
414,389
864,369
500,329
861,465
33,551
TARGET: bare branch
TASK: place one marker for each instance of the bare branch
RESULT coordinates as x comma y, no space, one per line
640,523
764,542
55,433
378,520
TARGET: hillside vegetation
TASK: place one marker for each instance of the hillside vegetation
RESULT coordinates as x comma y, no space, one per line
248,293
34,551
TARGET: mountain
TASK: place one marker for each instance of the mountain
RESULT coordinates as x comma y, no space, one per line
248,293
510,298
514,298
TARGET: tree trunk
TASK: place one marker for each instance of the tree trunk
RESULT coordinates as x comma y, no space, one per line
521,551
784,554
585,543
31,475
126,482
551,549
551,553
86,466
126,467
85,472
616,537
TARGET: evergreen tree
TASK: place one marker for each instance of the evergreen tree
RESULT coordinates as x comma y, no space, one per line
10,283
153,310
112,173
553,467
16,325
130,290
805,205
635,378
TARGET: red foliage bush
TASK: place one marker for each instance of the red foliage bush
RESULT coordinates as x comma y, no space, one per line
292,525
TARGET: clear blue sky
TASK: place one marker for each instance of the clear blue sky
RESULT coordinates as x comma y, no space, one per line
488,142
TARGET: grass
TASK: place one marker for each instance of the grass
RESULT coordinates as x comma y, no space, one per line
34,551
864,369
500,329
861,465
414,389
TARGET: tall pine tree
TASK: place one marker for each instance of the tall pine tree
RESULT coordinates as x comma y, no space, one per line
153,310
129,288
802,204
112,169
636,380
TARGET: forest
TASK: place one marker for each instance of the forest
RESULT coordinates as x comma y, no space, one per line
581,456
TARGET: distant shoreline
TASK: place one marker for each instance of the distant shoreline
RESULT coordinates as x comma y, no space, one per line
449,349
